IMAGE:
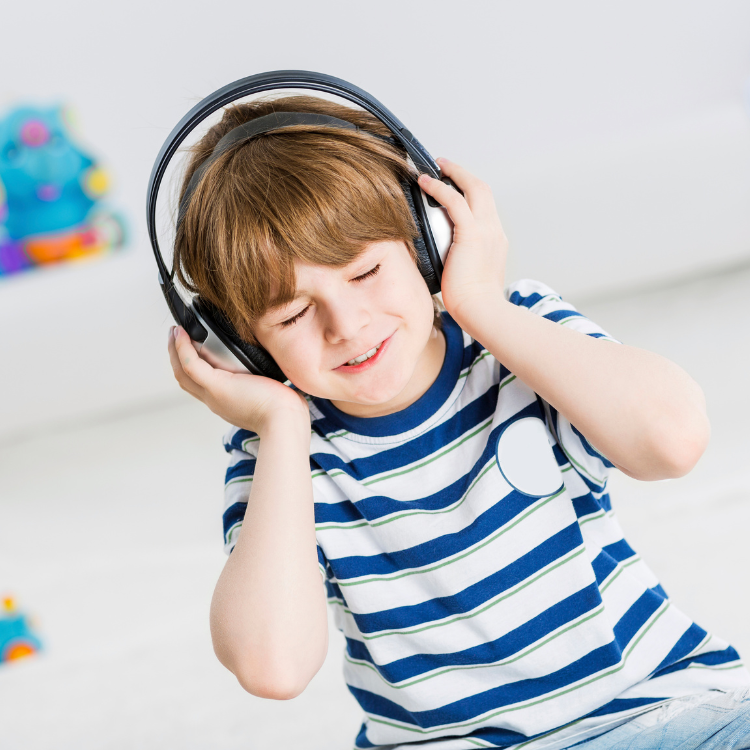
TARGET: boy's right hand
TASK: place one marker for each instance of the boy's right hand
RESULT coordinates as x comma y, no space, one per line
246,401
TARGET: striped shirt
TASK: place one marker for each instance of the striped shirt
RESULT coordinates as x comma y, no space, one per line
476,569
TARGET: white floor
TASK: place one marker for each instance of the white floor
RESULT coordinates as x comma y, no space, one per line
110,535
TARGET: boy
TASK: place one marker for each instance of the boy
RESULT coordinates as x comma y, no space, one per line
451,493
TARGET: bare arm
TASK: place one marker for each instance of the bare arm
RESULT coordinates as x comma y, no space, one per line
268,613
639,409
642,411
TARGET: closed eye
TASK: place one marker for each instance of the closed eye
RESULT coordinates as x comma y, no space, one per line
371,272
293,320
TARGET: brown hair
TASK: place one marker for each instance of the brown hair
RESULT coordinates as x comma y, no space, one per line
309,193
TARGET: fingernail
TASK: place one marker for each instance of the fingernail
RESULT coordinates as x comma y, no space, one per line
424,178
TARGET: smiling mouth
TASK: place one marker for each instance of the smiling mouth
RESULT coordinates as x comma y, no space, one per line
364,357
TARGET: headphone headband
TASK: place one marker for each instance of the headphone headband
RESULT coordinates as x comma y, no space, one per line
277,121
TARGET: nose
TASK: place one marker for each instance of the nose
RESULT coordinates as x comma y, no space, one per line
344,319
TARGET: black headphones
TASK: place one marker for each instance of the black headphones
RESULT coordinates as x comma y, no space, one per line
213,335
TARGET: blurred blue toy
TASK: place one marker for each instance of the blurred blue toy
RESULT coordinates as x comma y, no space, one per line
49,193
17,639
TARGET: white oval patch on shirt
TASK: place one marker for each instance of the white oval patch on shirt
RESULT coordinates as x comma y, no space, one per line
526,460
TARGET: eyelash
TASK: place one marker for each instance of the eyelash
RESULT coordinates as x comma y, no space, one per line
372,272
292,321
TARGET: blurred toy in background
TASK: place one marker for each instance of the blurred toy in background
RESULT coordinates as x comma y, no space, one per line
50,193
17,638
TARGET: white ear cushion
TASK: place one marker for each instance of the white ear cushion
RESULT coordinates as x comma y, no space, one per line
441,227
525,458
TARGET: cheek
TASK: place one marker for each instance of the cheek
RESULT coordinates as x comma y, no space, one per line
418,298
406,289
297,356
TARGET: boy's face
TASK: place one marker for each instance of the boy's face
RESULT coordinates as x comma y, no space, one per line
339,314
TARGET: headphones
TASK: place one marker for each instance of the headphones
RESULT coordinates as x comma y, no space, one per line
213,335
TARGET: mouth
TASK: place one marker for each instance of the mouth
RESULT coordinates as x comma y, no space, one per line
366,360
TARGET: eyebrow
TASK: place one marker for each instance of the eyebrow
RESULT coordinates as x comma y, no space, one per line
280,305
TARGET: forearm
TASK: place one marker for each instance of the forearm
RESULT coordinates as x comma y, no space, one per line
639,409
268,614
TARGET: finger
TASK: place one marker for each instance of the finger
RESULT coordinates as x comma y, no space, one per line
196,368
456,205
478,194
183,375
174,360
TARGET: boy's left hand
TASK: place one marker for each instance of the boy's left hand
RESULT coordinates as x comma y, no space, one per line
474,271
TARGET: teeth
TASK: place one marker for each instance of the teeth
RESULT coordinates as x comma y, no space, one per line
363,357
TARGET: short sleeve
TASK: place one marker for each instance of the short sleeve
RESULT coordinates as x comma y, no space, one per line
542,300
588,462
242,447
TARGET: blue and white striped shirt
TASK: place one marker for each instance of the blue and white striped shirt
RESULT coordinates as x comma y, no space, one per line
476,569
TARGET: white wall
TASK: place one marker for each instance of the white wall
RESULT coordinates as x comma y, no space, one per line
616,138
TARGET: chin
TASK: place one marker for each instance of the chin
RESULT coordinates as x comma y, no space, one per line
378,393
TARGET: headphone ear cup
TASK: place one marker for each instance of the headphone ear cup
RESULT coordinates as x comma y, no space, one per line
255,358
428,260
